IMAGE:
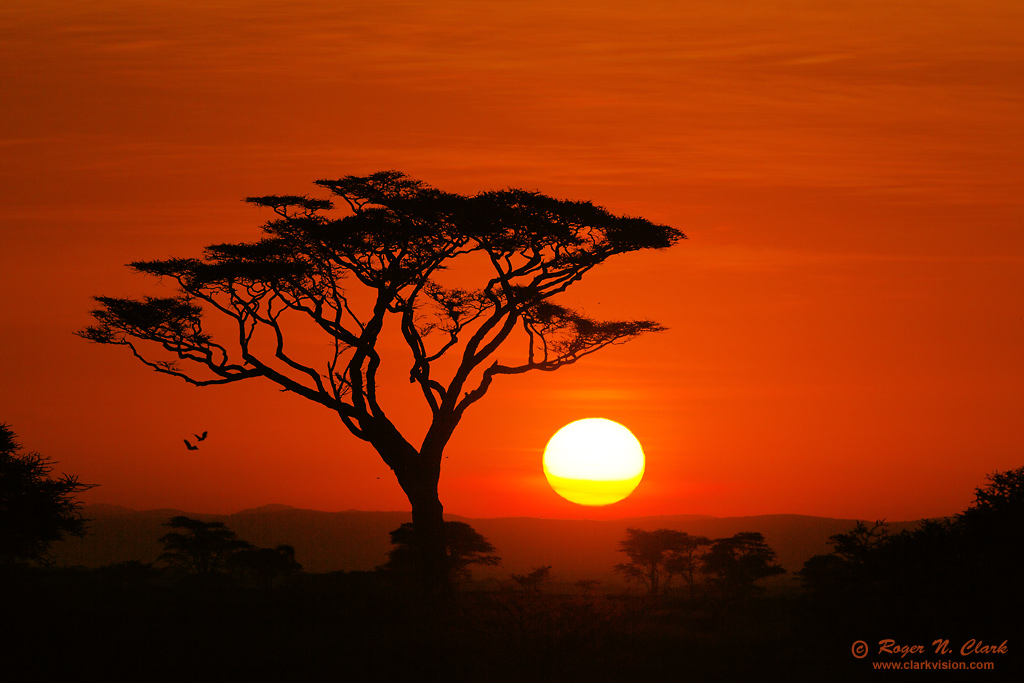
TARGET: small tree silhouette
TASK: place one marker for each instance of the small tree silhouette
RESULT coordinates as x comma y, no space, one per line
656,556
463,546
839,572
856,545
201,548
35,509
735,563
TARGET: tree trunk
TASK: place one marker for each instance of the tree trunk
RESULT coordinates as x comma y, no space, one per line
418,473
652,575
431,550
419,481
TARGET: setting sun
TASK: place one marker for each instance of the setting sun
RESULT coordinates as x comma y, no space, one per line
593,462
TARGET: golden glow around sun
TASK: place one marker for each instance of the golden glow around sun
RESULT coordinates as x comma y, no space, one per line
593,462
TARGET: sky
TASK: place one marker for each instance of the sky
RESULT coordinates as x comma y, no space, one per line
846,317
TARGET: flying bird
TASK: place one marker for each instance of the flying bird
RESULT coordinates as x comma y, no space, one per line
201,438
190,446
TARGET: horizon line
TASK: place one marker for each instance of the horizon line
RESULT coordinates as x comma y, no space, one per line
284,506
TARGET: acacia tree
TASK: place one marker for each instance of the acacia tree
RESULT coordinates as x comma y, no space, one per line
656,556
381,265
685,557
735,563
200,547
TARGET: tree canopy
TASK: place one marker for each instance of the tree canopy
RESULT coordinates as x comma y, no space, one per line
398,237
35,509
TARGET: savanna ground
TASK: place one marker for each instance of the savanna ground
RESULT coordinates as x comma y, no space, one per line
122,624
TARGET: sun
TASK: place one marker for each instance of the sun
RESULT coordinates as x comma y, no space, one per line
593,462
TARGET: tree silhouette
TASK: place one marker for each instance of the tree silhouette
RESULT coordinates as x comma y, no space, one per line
656,556
943,569
201,548
35,509
838,572
463,546
685,556
993,531
856,545
998,507
379,267
735,563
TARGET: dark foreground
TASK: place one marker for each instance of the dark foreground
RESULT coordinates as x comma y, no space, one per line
107,626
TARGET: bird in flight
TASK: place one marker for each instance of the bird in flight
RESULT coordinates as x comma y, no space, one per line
190,446
201,438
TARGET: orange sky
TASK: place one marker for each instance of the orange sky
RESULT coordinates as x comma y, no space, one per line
847,317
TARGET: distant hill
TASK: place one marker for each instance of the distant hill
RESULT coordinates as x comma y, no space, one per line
356,540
